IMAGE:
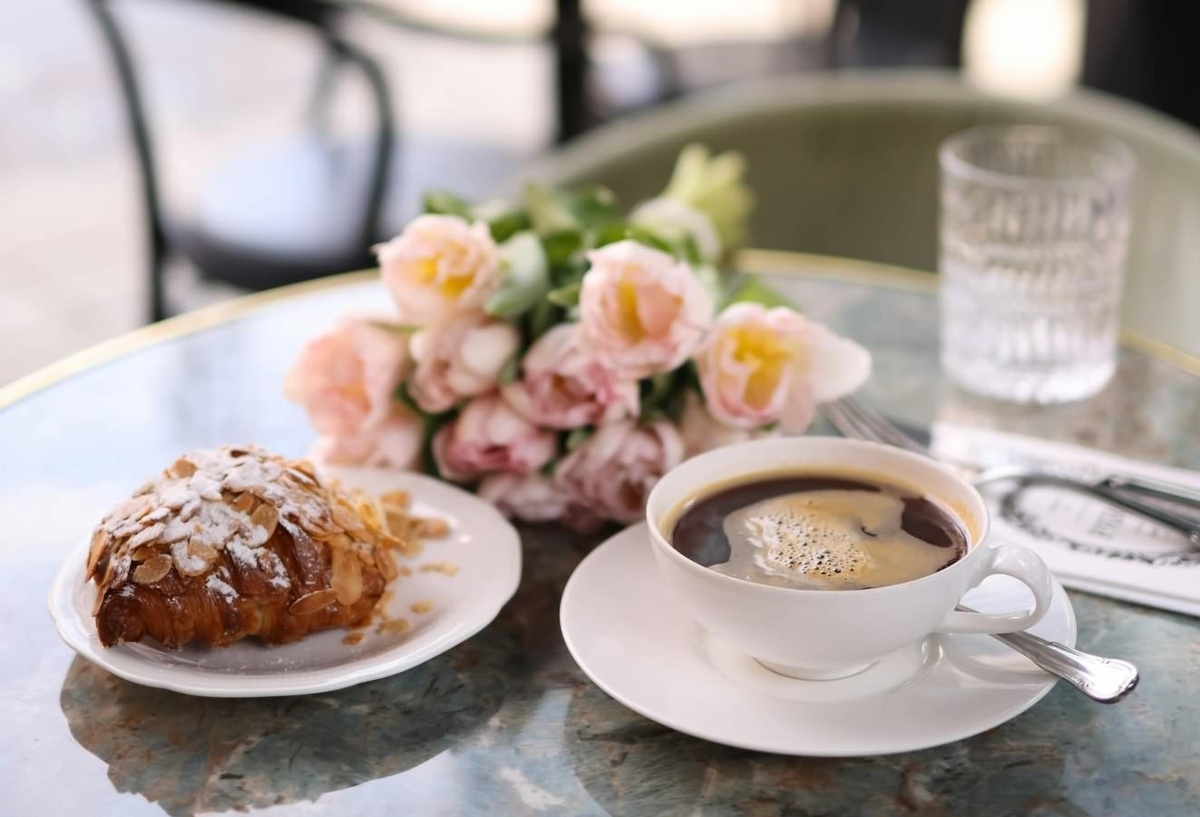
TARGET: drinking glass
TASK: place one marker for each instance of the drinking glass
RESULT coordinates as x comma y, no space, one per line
1034,232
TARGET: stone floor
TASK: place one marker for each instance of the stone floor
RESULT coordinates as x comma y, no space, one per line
72,266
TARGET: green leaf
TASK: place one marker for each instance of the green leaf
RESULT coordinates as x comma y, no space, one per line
506,225
526,280
650,239
548,212
590,204
542,318
578,436
611,233
511,369
566,296
654,392
443,202
561,248
751,289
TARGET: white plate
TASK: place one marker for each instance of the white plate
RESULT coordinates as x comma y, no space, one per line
482,544
638,645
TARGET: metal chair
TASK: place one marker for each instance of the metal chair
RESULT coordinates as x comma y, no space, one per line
309,205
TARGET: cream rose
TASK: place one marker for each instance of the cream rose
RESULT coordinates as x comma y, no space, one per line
528,497
641,311
439,266
460,358
760,366
394,443
345,378
702,432
612,472
564,387
489,436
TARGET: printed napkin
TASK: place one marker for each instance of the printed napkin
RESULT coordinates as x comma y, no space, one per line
1088,544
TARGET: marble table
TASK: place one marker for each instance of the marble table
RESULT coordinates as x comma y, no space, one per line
506,723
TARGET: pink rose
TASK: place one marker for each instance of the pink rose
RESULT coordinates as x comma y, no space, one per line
394,443
641,311
563,387
529,497
612,472
345,378
439,266
760,366
460,358
490,436
702,432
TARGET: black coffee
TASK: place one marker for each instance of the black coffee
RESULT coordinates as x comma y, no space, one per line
818,531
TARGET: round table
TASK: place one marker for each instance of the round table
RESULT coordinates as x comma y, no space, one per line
506,723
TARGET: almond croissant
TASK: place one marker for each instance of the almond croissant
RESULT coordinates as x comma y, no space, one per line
235,542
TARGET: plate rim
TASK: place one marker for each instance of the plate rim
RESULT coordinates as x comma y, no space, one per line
78,631
1006,715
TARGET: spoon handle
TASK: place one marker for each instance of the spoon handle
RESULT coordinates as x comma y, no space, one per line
1106,680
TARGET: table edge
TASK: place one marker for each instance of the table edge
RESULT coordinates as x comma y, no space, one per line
776,262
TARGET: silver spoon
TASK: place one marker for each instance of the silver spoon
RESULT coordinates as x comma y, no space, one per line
1106,680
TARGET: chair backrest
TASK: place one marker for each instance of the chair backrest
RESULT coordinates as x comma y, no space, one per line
846,164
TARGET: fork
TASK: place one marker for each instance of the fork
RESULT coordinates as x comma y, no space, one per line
853,419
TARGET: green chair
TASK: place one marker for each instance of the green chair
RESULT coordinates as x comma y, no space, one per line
846,164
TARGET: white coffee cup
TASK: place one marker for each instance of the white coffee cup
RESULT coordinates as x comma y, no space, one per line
824,634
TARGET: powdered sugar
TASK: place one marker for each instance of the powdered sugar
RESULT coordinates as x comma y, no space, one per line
215,582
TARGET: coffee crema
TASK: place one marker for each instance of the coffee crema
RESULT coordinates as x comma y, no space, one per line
818,531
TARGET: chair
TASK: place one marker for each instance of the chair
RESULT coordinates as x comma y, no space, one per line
846,164
306,206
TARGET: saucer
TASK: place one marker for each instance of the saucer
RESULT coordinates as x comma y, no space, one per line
641,647
482,546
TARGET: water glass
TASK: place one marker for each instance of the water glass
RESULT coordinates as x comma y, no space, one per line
1034,233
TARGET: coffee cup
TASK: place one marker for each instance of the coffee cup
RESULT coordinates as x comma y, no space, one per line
825,634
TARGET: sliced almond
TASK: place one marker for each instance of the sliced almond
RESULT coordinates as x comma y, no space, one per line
144,553
397,499
202,550
432,528
346,519
313,602
99,545
353,638
183,467
244,502
152,570
346,576
398,522
267,517
386,564
186,562
147,536
393,626
422,607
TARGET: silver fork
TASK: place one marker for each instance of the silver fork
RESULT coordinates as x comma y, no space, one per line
853,419
1106,680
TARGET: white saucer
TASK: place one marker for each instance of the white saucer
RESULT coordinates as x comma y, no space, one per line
636,643
482,545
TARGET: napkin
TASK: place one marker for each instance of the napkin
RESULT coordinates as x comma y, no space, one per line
1088,544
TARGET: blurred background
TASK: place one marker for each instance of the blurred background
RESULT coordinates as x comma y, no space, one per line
158,155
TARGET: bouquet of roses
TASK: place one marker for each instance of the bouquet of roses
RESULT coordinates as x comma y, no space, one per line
560,357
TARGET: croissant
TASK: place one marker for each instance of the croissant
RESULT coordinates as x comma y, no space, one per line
234,543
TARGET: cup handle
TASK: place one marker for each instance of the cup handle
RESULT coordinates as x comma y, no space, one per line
1022,564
